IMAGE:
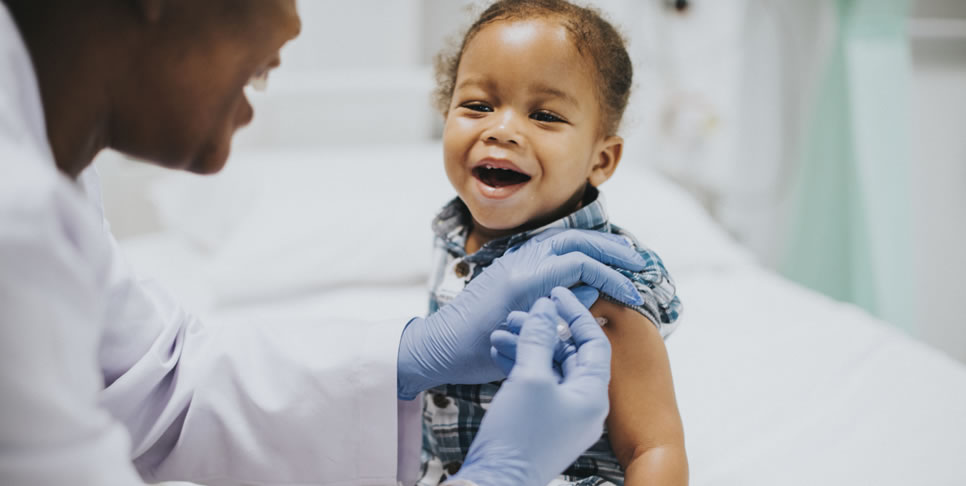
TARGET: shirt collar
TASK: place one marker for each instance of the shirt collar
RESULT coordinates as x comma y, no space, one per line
452,224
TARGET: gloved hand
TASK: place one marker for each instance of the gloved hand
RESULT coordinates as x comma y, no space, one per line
536,425
453,345
503,341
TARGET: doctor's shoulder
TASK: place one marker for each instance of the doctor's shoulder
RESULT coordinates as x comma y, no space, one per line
45,215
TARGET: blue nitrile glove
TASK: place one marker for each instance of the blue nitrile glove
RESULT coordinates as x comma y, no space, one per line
453,344
536,425
503,341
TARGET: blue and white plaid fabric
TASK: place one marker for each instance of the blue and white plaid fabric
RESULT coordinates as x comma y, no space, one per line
452,413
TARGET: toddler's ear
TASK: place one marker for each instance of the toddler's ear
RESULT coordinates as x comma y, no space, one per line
608,156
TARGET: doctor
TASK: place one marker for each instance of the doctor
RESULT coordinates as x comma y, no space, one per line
104,380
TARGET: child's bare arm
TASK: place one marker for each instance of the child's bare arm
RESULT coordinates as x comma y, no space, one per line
644,424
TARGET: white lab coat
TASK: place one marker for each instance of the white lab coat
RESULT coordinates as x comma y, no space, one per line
105,380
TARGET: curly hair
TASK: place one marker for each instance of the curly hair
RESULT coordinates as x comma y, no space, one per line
593,36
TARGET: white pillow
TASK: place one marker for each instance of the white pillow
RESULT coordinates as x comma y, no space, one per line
276,222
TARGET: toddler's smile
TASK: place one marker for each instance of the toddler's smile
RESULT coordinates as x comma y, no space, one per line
499,178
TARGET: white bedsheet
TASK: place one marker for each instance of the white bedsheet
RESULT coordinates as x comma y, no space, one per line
778,385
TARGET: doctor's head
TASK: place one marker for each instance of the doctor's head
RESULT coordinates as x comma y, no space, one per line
162,80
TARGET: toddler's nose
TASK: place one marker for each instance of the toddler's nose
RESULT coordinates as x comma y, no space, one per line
504,130
495,138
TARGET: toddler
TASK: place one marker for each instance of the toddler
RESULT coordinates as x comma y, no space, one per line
532,101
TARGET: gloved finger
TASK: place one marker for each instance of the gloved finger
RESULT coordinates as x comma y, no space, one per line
569,306
550,232
536,239
504,363
558,373
505,342
586,294
568,365
547,233
593,349
588,371
514,321
563,351
564,347
537,340
577,267
598,246
583,325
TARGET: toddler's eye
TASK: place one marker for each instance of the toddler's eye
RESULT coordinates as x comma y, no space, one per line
259,80
547,117
481,107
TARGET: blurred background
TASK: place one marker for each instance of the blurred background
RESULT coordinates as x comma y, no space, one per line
828,137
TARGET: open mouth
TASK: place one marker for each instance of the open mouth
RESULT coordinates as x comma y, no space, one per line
499,177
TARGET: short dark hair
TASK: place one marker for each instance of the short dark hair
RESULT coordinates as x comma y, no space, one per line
593,36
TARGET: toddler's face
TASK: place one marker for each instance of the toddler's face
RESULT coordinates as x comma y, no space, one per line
522,135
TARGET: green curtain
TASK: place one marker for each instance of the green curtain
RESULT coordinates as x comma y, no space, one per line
849,234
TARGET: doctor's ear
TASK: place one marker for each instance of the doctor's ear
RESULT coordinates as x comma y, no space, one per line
150,10
608,155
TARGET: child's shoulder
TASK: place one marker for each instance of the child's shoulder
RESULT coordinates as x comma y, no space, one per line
650,256
661,303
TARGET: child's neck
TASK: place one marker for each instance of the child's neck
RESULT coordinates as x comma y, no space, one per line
479,235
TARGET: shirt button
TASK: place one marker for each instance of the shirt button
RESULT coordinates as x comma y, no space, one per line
440,401
453,467
462,269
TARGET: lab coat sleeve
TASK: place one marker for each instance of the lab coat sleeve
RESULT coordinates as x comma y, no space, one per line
293,403
296,402
301,402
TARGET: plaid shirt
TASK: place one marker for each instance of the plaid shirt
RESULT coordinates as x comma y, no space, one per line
452,413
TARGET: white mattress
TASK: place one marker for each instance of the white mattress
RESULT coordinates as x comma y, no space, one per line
778,385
